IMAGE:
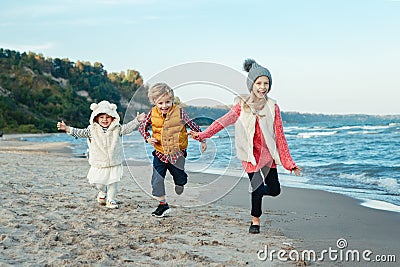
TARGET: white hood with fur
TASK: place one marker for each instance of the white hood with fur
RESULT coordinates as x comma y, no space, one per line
103,107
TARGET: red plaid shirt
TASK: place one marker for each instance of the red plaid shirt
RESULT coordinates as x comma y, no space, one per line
144,131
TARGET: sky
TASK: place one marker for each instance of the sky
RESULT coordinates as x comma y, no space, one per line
325,56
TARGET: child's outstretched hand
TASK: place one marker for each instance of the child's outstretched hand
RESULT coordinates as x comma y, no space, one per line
296,170
203,146
61,126
195,135
140,117
152,141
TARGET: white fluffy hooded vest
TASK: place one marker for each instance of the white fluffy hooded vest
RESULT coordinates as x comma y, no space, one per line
105,146
245,129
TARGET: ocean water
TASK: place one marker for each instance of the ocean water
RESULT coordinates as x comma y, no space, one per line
362,161
358,159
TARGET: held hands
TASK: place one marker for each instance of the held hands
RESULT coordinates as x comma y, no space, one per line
61,126
297,171
152,141
195,136
140,117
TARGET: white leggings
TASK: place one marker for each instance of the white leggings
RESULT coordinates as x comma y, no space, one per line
111,190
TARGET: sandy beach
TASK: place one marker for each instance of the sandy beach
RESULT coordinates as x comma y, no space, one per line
49,217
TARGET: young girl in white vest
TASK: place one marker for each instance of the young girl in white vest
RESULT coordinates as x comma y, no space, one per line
169,138
105,148
259,138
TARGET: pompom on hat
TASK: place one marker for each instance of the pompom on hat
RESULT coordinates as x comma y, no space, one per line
255,71
103,107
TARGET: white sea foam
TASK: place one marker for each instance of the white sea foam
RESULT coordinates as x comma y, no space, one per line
348,127
314,134
352,129
292,180
376,127
390,185
363,132
380,205
355,127
293,128
358,177
354,132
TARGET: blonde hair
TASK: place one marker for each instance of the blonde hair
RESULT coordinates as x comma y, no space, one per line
158,90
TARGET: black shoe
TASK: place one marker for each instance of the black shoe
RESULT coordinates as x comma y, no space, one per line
161,210
254,229
179,189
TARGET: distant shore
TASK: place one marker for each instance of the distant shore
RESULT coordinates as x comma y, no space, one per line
49,216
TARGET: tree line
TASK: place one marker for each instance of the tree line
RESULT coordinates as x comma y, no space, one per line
36,92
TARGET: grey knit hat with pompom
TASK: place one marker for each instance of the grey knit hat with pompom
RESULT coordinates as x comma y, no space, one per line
255,71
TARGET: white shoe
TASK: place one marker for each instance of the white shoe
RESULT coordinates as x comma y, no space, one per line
111,204
101,198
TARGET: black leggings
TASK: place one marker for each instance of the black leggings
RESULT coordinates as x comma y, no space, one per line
271,187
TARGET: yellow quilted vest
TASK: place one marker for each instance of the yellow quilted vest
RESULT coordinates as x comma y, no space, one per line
170,131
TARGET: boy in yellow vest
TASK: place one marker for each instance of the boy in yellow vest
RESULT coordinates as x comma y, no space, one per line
170,140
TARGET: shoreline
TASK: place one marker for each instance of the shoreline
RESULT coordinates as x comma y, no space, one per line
285,178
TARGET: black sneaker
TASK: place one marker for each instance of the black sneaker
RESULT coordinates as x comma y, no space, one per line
161,210
254,229
179,189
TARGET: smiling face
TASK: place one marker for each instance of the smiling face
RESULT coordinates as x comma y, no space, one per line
164,103
104,120
261,87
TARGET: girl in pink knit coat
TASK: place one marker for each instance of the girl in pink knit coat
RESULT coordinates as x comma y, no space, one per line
259,138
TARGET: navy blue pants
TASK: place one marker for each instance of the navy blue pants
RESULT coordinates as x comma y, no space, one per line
160,168
271,187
